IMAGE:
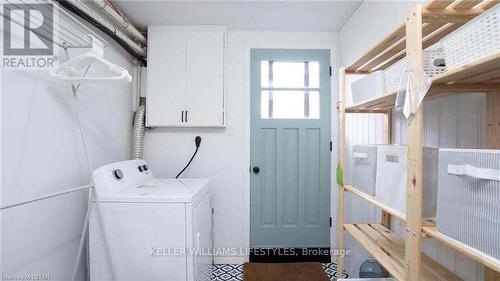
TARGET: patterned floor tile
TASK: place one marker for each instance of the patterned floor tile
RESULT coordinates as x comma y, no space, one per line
232,272
227,272
331,271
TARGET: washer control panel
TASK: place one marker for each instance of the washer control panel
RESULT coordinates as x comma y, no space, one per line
115,177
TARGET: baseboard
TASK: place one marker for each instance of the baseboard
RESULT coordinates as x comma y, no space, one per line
230,260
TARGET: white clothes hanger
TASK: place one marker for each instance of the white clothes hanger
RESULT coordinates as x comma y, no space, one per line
74,69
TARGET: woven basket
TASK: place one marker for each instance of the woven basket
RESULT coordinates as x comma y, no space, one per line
477,39
395,75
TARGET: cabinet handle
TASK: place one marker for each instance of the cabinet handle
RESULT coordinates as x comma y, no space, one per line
186,115
182,116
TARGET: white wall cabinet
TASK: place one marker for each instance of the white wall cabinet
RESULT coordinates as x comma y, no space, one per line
185,83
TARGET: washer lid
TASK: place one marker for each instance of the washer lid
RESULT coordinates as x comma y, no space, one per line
162,191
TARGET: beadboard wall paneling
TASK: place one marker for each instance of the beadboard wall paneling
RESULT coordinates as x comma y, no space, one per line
456,121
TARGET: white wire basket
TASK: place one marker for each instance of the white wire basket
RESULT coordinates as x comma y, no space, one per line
434,64
476,39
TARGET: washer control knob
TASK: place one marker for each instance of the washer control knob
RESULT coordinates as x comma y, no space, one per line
118,174
145,167
141,169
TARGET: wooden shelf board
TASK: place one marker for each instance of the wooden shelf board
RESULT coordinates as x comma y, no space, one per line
480,76
440,4
431,231
389,249
372,200
464,4
380,103
391,265
441,17
451,15
488,4
389,40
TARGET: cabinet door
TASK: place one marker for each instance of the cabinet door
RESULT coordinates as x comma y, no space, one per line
205,78
166,82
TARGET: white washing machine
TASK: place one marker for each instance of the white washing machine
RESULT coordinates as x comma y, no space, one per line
157,229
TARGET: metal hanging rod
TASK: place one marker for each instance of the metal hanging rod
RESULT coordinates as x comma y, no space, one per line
56,194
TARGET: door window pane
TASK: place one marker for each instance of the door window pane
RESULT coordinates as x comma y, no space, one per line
289,104
301,101
287,74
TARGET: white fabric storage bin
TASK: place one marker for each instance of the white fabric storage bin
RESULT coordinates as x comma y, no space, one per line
391,180
468,206
430,185
391,176
364,168
369,87
477,39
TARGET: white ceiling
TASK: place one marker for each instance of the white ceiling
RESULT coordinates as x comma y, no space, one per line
243,15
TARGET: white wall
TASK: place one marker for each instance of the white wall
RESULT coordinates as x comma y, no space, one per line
42,153
224,155
451,121
370,23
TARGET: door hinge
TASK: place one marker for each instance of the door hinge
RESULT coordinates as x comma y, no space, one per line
330,71
331,146
330,221
213,210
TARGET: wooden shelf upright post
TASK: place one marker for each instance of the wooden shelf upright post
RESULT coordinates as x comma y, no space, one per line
386,217
340,213
492,142
414,55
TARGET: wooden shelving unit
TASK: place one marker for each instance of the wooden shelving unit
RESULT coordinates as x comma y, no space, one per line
424,26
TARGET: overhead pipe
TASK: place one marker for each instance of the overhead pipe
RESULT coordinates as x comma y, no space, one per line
111,11
93,16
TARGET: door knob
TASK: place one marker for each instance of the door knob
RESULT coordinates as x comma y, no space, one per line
256,169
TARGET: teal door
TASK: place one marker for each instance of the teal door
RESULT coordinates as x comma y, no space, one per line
290,148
